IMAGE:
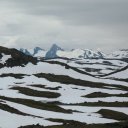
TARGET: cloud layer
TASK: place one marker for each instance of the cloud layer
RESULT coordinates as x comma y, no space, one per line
70,23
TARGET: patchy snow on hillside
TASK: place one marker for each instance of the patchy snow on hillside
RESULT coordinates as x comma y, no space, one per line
71,95
119,54
56,69
120,75
4,58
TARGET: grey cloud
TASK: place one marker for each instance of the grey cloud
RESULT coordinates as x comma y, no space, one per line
83,23
77,11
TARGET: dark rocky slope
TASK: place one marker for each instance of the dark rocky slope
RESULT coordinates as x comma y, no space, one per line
17,58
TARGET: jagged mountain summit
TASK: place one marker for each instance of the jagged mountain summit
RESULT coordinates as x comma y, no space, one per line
39,52
36,52
52,53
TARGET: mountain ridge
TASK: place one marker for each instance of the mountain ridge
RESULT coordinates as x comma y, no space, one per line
55,52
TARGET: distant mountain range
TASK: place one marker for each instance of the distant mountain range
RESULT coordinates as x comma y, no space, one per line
56,51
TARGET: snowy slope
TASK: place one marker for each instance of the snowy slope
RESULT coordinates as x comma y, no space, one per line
93,66
25,94
13,57
80,53
120,75
40,53
70,94
119,54
4,58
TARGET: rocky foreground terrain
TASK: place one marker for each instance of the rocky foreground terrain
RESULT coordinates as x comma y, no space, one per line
63,91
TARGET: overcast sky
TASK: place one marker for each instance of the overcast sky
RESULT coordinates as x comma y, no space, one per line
90,24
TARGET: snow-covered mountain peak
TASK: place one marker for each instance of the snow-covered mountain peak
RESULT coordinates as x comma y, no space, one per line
80,53
26,51
36,49
56,47
52,53
36,52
